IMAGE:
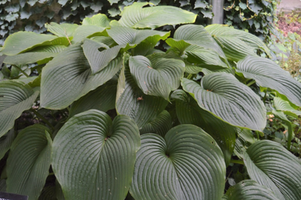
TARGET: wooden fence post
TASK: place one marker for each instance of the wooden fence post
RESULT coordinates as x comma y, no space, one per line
218,11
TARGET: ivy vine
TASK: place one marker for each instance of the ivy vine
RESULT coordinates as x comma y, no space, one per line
31,15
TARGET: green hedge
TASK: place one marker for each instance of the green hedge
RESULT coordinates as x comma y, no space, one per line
31,15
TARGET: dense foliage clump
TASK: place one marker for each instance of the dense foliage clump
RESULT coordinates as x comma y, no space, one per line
117,109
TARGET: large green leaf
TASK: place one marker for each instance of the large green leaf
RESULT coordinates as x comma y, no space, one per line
224,96
29,161
93,157
187,164
23,41
194,35
159,77
28,58
267,73
271,165
126,35
6,141
188,112
102,98
236,44
99,59
249,190
68,77
159,125
138,16
15,97
85,31
62,30
131,101
285,106
243,141
100,20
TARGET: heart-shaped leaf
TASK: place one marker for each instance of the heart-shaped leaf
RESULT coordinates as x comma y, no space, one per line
102,98
267,73
93,157
66,80
230,100
159,77
15,97
138,16
131,101
271,165
188,112
249,190
236,44
29,161
186,164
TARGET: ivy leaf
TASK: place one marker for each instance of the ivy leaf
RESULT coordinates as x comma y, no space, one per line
101,165
29,161
179,166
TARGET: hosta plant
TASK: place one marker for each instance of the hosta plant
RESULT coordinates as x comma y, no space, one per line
118,110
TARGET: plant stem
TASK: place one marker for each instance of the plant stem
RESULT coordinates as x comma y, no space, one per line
189,76
19,68
42,118
237,162
251,83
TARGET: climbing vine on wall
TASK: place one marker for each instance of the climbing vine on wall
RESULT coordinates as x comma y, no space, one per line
31,15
